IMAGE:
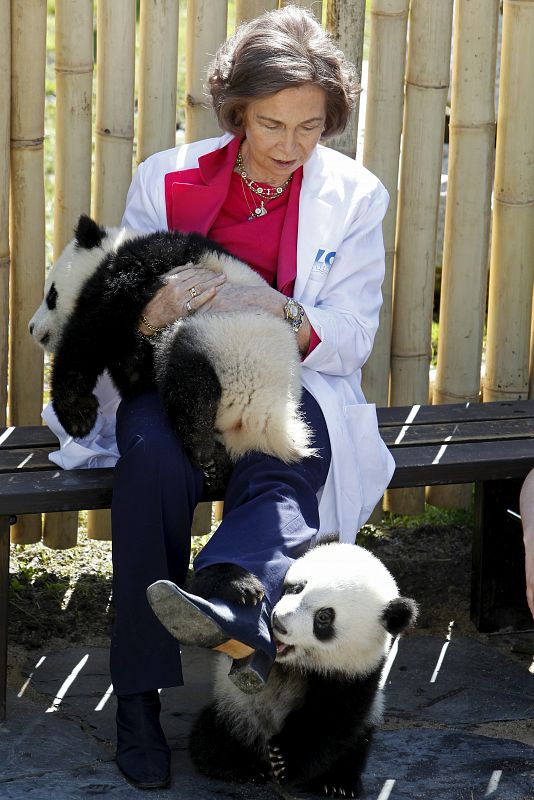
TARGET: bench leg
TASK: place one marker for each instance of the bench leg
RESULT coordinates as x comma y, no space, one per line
498,571
4,590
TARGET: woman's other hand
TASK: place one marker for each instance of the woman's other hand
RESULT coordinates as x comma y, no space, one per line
185,292
240,298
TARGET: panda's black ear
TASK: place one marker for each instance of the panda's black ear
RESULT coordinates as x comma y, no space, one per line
327,538
88,234
399,614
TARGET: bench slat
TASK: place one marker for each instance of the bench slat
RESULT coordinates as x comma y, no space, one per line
454,412
27,436
26,460
477,431
57,490
462,463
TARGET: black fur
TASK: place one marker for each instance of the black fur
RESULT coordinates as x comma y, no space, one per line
399,614
88,234
229,582
323,743
102,333
217,752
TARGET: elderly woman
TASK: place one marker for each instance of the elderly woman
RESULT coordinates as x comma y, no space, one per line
308,220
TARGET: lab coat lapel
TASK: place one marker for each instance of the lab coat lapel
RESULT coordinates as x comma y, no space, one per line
318,225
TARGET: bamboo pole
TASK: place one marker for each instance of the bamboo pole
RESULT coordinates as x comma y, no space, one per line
114,132
114,108
249,9
27,221
345,22
315,6
206,29
383,126
74,89
5,120
467,217
158,66
512,244
201,524
72,187
427,80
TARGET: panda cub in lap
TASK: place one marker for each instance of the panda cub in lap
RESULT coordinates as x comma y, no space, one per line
312,724
229,382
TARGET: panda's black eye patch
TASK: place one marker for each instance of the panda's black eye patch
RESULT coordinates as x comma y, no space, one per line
294,588
51,297
323,624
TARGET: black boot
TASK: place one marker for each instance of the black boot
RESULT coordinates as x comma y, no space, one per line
143,755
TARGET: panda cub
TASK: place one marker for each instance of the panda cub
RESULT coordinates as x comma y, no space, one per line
229,382
311,726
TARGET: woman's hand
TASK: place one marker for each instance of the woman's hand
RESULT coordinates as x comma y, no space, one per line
239,298
186,291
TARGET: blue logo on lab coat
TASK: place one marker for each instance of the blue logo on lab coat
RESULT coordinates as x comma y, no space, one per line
323,261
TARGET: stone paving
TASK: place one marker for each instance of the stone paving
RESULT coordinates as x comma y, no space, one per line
58,737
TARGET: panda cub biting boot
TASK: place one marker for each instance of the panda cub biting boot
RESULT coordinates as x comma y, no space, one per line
311,725
229,381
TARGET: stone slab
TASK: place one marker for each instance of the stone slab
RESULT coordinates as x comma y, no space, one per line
69,752
474,684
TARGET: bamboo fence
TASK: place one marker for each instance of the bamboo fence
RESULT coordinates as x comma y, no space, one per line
158,67
467,220
5,127
427,82
72,186
114,130
383,127
248,9
408,81
27,221
206,29
512,245
346,22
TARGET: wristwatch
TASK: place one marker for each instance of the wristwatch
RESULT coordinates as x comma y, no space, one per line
294,314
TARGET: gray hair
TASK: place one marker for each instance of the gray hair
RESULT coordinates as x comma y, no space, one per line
275,51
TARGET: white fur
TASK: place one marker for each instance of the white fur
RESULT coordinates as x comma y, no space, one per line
358,587
257,717
69,273
353,582
254,354
255,357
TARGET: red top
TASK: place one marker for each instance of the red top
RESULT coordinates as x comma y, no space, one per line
209,199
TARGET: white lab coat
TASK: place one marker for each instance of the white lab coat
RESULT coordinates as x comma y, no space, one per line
340,269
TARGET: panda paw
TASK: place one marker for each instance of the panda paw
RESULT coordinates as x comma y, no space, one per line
229,582
278,764
77,416
338,791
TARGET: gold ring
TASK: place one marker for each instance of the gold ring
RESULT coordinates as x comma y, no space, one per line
193,292
189,307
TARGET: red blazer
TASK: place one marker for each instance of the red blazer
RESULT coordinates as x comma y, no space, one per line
194,197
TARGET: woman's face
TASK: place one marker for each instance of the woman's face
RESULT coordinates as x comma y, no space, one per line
281,131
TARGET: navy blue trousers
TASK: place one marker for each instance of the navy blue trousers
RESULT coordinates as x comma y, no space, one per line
270,518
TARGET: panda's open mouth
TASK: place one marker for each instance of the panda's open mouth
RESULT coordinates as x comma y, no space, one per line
282,649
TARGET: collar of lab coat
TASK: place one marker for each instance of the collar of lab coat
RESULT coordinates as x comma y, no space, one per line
195,196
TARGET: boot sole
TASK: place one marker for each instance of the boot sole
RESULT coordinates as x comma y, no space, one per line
190,625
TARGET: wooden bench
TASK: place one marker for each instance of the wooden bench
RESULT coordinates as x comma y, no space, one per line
491,444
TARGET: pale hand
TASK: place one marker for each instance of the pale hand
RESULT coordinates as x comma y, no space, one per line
192,285
235,298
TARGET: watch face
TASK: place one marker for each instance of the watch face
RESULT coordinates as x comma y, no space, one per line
293,311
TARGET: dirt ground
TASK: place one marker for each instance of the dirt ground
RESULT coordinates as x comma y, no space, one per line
64,597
